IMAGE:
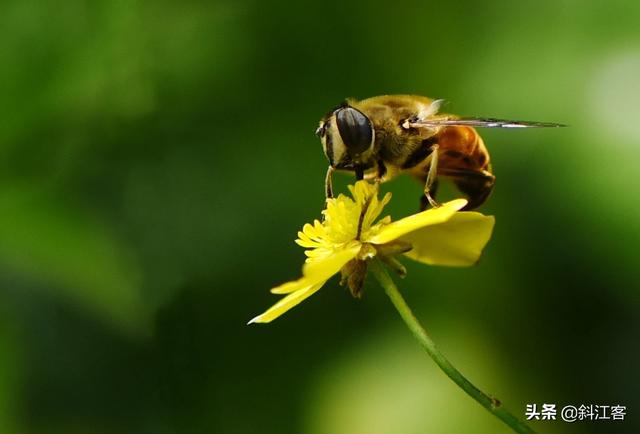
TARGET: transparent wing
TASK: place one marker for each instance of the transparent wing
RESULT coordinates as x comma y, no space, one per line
481,123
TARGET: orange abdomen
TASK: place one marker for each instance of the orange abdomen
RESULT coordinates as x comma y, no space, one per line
462,148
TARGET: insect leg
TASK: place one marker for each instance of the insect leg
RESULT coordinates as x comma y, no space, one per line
431,176
476,184
424,202
328,183
381,172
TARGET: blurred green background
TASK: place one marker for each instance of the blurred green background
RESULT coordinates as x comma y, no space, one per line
157,159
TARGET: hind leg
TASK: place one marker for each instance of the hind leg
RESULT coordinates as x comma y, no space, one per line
433,190
430,180
476,184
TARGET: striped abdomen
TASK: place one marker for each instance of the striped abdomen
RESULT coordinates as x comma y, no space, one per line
462,148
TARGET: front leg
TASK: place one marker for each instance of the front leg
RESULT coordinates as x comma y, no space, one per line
381,172
328,183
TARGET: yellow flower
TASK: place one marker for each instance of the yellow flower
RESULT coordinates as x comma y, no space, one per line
348,237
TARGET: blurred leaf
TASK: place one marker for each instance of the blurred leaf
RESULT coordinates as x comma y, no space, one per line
70,254
9,374
389,386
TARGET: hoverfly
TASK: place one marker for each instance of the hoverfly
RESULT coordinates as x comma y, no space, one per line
383,136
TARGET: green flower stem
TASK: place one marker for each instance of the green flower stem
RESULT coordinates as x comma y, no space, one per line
491,404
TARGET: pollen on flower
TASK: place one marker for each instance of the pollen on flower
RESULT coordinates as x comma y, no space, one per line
346,221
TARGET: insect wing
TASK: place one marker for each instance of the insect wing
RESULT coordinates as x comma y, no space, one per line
481,123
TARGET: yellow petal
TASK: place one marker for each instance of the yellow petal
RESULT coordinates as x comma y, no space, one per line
320,270
429,217
286,303
314,275
293,286
323,269
457,242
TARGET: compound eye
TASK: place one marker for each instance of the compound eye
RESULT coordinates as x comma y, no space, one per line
355,130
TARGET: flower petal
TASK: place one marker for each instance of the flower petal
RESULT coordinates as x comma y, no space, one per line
315,274
414,222
457,242
320,270
286,303
293,286
325,268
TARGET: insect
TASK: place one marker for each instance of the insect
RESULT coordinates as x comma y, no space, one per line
383,136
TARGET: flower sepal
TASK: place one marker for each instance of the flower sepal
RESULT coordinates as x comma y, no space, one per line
354,272
352,275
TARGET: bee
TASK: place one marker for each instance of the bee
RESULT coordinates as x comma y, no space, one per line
381,137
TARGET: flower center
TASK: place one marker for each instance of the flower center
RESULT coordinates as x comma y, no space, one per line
363,212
